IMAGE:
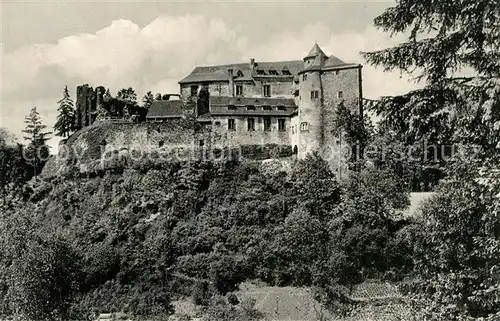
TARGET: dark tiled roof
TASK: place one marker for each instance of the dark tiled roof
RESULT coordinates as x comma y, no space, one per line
333,61
220,73
165,109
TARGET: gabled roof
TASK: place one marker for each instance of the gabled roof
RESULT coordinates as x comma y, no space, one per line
333,61
165,109
220,73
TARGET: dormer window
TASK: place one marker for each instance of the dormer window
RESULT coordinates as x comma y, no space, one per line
231,107
261,72
267,108
273,72
281,108
286,72
250,107
239,73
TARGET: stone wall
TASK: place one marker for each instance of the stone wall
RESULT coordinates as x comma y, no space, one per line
95,147
334,148
241,136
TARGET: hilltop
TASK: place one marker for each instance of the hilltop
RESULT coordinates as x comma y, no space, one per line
137,239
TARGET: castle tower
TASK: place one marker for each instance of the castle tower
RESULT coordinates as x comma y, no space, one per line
310,124
326,82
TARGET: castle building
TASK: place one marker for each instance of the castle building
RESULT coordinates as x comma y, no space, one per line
288,103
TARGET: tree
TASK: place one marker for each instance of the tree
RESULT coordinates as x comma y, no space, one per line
457,249
147,100
37,151
127,94
65,123
358,130
446,38
314,186
13,168
107,95
44,280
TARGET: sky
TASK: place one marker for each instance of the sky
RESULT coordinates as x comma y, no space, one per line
151,45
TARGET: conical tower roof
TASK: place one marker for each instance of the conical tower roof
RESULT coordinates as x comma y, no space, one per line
318,62
315,51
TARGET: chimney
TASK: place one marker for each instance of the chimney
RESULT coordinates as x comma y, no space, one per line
252,63
231,83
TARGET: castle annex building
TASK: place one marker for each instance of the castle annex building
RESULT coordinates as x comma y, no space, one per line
285,102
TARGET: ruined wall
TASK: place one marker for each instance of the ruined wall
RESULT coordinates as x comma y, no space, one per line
87,104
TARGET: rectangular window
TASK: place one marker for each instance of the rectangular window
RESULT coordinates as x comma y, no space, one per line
250,107
267,124
231,107
231,124
337,72
267,90
239,90
194,90
340,94
281,108
281,125
304,77
314,94
251,124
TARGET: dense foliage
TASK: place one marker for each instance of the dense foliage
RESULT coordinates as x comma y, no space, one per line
141,238
454,48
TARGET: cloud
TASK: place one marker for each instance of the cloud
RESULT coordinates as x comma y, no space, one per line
156,56
346,46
